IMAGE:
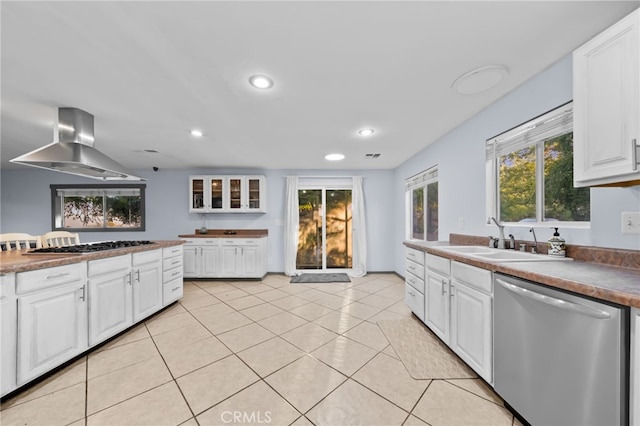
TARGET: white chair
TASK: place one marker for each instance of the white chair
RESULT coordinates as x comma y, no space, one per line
60,239
19,241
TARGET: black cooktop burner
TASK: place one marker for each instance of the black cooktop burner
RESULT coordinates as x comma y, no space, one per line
90,248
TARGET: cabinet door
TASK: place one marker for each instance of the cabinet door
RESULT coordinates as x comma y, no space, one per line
606,73
234,191
191,261
210,261
634,397
255,194
216,193
471,328
436,312
8,324
52,328
230,266
110,305
250,258
198,195
147,289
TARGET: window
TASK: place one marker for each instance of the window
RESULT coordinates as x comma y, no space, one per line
530,172
422,205
97,208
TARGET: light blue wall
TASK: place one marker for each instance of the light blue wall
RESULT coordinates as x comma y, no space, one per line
26,207
461,168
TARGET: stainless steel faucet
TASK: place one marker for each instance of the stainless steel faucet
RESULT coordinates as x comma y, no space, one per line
534,249
501,229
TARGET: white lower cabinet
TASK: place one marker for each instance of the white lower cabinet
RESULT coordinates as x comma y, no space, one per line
9,330
414,282
202,258
436,294
459,310
471,318
52,318
172,285
110,297
634,396
225,258
147,283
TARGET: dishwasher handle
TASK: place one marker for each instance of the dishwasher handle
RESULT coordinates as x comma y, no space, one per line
558,303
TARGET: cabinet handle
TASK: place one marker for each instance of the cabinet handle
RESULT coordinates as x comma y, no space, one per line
411,293
412,267
138,275
175,262
175,288
451,292
82,295
444,283
129,278
175,273
64,274
634,154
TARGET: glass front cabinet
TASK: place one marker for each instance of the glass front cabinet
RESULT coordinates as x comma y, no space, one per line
227,194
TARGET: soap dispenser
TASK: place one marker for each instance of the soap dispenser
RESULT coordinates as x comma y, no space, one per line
557,245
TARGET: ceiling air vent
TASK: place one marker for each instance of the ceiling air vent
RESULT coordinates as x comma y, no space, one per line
376,155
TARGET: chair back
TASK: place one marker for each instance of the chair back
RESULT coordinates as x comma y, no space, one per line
60,239
19,241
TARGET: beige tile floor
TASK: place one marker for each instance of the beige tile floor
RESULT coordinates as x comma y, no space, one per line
258,352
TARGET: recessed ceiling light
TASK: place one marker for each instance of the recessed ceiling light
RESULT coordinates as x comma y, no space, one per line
334,157
260,81
196,133
366,132
480,79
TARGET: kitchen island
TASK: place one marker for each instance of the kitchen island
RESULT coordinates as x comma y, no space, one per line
55,307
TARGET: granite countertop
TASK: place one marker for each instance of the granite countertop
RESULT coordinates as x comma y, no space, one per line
228,233
605,282
19,261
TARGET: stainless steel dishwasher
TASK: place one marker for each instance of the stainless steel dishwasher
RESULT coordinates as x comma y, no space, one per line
560,359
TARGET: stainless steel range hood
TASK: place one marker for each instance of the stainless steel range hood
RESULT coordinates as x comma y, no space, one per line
72,150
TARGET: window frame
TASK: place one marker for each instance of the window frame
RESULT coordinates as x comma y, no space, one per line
57,215
533,133
417,181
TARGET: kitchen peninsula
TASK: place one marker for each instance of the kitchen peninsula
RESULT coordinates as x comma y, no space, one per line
57,306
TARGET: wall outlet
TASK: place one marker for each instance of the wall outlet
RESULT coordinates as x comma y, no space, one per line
461,222
631,222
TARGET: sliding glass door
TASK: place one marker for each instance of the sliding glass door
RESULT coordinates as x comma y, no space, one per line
325,237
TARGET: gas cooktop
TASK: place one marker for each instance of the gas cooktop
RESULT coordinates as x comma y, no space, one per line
89,248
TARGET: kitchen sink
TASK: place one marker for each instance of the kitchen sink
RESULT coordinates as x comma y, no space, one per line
500,255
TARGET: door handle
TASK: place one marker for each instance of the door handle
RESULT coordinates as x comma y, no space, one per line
555,302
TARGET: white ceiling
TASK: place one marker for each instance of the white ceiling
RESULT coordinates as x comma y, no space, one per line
151,71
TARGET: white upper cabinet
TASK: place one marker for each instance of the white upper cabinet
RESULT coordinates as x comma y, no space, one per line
606,106
227,194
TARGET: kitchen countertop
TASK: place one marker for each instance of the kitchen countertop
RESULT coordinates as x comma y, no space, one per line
220,233
610,283
18,261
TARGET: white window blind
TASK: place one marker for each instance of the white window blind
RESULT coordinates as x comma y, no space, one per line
421,178
547,126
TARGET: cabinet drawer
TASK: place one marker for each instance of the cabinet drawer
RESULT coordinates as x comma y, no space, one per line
414,268
49,277
174,251
172,291
473,276
414,300
240,241
172,274
415,255
437,263
415,282
109,265
172,263
146,257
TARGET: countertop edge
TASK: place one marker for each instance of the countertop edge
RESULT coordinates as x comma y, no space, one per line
18,261
533,271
